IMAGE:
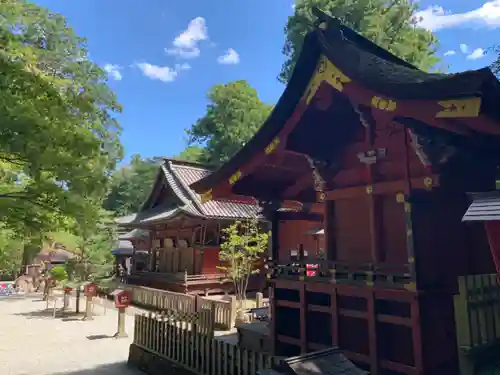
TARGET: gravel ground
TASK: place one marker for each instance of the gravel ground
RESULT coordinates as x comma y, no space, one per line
33,343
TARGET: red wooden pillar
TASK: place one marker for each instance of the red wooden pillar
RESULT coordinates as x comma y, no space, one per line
493,232
303,317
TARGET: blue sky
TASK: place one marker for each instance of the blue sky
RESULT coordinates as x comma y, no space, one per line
163,55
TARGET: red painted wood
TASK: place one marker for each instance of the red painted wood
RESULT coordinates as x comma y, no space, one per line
210,260
372,334
493,231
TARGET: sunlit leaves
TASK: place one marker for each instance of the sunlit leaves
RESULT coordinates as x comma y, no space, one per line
233,116
244,242
56,118
389,23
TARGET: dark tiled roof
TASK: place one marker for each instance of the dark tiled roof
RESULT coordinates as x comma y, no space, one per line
369,65
188,175
484,207
179,175
58,255
126,219
136,233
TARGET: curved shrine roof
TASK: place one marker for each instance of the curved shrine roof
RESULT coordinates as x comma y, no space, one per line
363,75
177,175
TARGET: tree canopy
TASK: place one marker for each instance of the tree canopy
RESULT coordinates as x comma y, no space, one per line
192,153
389,23
233,116
58,139
58,135
131,184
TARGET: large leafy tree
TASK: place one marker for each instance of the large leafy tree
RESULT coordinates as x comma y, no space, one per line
131,184
389,23
233,116
495,66
192,153
58,138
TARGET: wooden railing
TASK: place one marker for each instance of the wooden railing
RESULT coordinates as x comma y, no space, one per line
477,318
161,300
477,311
183,344
224,311
384,275
178,277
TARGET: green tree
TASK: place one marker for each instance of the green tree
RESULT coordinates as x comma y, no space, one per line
233,116
192,153
58,134
97,237
242,247
131,184
495,66
11,252
389,23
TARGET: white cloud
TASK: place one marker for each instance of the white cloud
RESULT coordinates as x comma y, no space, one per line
293,6
464,48
162,73
436,18
476,54
185,45
113,71
230,57
450,53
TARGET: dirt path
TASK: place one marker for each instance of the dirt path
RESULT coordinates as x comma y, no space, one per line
34,343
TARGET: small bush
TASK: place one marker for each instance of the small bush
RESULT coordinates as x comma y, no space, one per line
59,273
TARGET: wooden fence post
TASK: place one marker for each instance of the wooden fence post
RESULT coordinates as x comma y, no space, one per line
258,299
233,308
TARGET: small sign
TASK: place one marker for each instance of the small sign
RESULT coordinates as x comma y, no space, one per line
90,290
123,298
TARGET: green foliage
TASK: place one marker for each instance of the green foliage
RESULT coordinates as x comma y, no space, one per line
11,251
389,23
59,273
130,185
58,139
233,116
243,245
98,237
495,66
192,153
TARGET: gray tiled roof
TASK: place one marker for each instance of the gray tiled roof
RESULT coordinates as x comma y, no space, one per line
484,207
126,219
179,176
188,175
135,233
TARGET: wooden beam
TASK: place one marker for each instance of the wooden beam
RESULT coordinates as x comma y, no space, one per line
299,215
299,185
379,188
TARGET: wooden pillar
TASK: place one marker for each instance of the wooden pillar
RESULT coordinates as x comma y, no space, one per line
372,333
303,318
275,241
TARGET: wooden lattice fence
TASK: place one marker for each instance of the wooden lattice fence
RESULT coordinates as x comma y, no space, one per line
187,344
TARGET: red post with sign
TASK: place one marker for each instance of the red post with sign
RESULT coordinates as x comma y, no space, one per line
67,294
48,290
123,298
89,290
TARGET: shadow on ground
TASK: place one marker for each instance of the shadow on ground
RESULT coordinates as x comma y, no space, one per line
119,368
40,314
69,316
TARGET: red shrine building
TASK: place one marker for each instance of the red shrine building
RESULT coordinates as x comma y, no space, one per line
388,153
176,237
